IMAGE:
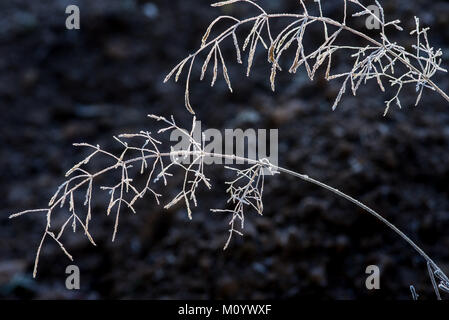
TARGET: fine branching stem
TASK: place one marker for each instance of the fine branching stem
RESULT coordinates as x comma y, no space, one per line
245,191
375,61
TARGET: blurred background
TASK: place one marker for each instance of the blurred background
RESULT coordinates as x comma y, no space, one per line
60,86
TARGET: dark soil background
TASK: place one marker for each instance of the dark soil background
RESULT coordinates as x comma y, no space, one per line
58,87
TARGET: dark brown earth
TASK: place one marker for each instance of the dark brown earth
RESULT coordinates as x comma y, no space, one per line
58,87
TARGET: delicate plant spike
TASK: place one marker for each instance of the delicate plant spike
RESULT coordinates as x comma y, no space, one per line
415,296
245,190
378,59
142,156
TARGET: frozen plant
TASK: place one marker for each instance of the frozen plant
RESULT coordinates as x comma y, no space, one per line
145,155
142,156
379,59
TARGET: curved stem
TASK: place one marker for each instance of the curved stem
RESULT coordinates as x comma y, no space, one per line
176,154
362,206
339,193
307,179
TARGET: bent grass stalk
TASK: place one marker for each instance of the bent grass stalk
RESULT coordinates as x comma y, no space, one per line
245,191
